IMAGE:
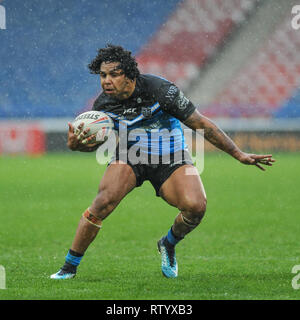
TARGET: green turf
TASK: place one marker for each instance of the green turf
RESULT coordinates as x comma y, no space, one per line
245,247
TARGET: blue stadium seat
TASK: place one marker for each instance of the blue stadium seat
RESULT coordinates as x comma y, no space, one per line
47,46
290,109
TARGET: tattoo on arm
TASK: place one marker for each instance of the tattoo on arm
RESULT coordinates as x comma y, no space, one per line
194,121
212,133
219,139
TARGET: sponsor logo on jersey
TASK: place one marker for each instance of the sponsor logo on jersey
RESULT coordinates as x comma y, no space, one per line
182,102
146,112
129,111
171,92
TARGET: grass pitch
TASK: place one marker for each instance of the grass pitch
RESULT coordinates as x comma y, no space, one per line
245,248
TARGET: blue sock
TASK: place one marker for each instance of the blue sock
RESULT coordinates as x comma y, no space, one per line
73,258
171,238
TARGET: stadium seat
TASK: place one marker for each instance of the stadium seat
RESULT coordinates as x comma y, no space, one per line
291,108
266,82
191,35
48,47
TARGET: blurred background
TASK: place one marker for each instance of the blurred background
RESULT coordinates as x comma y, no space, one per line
237,60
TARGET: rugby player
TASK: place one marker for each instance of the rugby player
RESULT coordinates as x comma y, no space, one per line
146,102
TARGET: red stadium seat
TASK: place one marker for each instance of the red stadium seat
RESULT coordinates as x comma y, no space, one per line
266,81
190,37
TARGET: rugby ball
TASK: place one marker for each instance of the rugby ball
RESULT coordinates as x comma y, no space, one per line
98,122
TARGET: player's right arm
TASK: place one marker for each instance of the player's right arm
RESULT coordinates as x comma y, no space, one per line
78,140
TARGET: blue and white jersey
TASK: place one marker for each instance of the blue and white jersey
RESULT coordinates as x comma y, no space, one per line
151,115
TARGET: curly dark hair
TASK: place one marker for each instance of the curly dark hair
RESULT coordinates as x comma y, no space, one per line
112,53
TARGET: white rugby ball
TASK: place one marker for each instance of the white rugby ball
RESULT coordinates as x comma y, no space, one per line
98,122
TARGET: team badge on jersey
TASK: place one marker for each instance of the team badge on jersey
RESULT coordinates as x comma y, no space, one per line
146,112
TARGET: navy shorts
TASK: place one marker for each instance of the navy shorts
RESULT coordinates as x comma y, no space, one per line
157,174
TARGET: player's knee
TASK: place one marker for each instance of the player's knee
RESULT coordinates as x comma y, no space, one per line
193,214
197,211
195,207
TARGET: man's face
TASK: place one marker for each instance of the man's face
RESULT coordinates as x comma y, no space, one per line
113,80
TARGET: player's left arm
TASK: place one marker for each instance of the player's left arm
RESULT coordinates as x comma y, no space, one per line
178,105
219,138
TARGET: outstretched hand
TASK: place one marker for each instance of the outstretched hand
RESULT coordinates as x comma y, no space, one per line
257,160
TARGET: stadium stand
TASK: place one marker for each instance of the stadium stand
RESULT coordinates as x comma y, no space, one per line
264,85
46,77
47,48
191,36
